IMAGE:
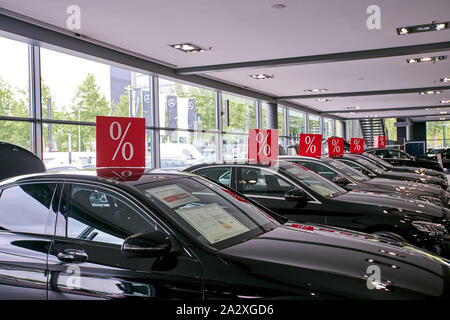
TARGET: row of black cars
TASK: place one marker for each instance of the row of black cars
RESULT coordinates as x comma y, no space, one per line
307,229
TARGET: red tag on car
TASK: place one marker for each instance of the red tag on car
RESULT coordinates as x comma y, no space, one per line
356,145
310,145
335,146
120,142
379,141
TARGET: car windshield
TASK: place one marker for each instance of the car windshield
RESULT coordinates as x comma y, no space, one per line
378,160
208,213
369,165
436,151
312,180
347,170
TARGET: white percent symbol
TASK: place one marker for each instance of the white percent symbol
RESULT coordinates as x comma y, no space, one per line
122,146
309,141
265,149
334,143
357,145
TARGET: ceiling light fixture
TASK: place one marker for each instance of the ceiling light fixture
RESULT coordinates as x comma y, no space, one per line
352,108
445,101
445,79
261,76
430,92
323,100
434,26
189,47
315,90
426,59
278,6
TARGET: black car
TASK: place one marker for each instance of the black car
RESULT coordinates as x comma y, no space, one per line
444,154
302,195
180,236
372,170
387,166
15,160
400,158
352,179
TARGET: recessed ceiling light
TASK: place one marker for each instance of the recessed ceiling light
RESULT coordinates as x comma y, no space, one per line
315,90
189,47
323,100
445,79
352,113
426,59
443,112
442,118
351,108
435,26
430,92
261,76
278,6
445,101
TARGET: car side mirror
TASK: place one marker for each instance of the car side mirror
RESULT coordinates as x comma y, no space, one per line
146,245
340,180
296,195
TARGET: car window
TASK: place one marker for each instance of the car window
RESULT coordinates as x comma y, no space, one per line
26,208
101,215
348,170
208,213
254,181
394,154
312,180
220,174
319,168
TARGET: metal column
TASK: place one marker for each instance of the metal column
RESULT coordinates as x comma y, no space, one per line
155,136
34,71
219,126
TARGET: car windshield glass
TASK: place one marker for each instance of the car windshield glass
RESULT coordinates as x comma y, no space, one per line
210,214
379,160
312,180
436,151
369,165
347,170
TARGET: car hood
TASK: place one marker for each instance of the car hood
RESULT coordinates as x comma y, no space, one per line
429,172
403,187
415,176
322,260
399,204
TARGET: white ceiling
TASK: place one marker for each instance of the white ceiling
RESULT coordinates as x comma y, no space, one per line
249,30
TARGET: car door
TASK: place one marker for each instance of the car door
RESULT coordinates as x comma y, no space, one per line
86,261
27,222
269,188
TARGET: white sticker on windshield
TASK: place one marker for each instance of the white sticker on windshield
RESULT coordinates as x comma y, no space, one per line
212,222
172,195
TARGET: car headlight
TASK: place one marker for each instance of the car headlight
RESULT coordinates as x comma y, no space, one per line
430,199
434,229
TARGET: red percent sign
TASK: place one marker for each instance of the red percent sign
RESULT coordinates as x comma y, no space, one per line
379,141
335,146
263,145
356,145
310,145
120,142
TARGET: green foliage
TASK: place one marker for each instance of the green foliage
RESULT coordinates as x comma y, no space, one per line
390,128
14,132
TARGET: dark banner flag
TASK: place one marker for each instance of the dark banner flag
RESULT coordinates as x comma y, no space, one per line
191,114
146,106
171,104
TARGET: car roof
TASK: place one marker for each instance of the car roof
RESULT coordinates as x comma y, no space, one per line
93,176
241,162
